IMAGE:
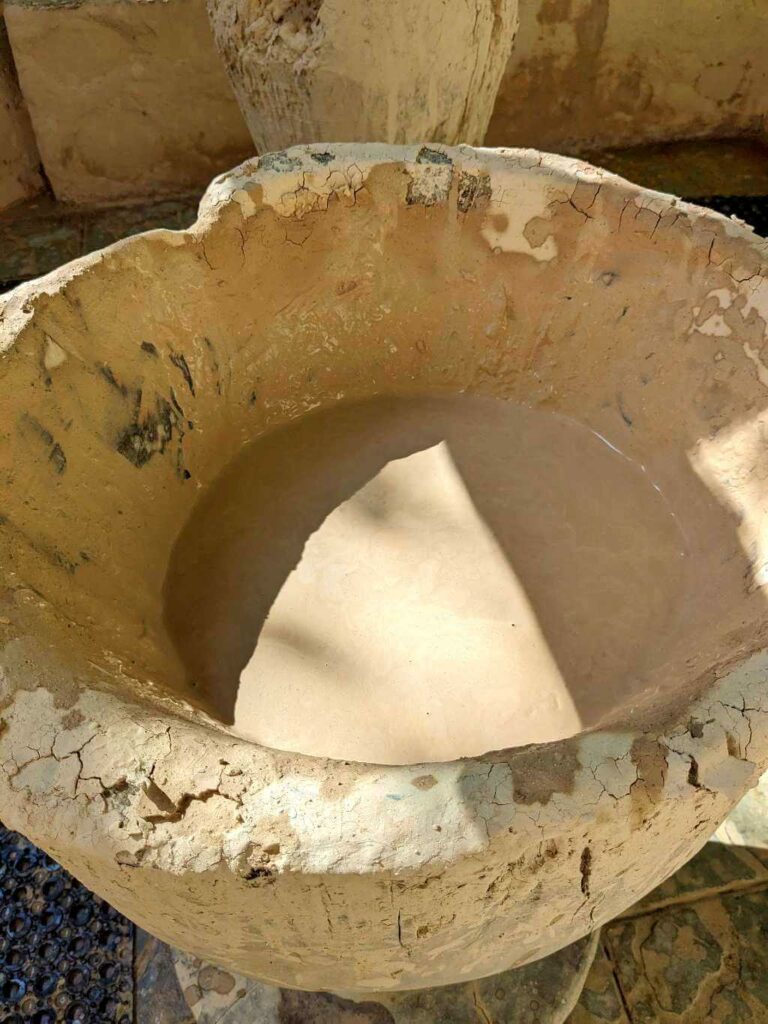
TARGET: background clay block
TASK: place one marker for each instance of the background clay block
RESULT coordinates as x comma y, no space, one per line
591,73
19,174
127,99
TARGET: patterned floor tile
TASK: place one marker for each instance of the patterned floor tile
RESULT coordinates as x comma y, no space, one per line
102,227
714,870
695,964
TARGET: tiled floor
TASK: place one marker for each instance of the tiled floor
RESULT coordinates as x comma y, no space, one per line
695,950
41,235
698,955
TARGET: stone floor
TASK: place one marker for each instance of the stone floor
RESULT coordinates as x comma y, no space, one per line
693,951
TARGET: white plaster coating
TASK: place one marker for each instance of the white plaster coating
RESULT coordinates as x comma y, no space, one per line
754,356
513,210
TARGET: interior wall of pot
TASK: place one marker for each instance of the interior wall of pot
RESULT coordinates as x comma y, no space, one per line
134,385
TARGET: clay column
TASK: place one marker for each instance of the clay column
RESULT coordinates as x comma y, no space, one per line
364,70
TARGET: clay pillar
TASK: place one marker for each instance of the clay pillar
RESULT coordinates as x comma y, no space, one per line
364,70
19,159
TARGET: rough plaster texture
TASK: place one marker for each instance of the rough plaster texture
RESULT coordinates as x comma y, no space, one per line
131,376
19,162
127,99
587,73
383,71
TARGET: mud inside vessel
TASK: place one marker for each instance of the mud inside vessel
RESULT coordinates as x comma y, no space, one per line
410,579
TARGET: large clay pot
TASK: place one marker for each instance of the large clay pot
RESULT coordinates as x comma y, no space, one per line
319,275
374,70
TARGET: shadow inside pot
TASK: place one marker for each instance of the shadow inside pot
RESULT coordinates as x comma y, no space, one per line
417,579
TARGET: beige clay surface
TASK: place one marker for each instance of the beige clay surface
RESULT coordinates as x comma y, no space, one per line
445,302
562,75
585,74
127,99
130,97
